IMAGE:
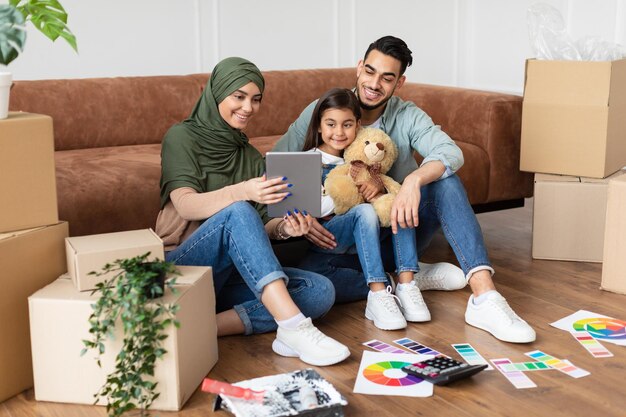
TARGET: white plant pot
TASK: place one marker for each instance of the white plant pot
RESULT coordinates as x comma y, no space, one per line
5,88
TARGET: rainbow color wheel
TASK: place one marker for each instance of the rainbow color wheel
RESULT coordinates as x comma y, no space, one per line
602,328
390,374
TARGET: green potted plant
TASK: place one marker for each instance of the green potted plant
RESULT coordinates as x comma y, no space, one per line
127,300
48,16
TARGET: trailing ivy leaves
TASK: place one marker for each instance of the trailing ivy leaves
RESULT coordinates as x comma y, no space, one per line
126,299
48,16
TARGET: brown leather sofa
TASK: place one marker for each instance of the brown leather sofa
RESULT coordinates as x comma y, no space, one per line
108,133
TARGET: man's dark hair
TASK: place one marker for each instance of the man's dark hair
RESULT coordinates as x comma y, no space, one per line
394,47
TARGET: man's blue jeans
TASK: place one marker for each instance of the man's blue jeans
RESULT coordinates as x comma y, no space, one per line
444,205
359,229
234,243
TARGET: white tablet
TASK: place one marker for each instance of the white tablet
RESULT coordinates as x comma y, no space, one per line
304,171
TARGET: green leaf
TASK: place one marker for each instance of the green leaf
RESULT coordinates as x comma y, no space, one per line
12,33
48,16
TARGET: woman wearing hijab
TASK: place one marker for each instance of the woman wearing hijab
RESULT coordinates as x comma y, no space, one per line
213,210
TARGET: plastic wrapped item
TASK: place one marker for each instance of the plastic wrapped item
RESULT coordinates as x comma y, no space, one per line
550,40
299,393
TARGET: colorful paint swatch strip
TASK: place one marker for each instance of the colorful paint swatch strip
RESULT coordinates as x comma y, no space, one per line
564,366
471,355
517,378
594,347
417,347
525,366
383,347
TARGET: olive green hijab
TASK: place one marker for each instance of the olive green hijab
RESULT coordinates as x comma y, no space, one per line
204,152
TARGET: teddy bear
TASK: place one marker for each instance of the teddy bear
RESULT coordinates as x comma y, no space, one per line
370,156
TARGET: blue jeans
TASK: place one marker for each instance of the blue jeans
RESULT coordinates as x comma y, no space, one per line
444,205
234,243
359,228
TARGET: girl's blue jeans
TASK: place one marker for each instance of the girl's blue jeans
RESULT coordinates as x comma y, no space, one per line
444,205
358,229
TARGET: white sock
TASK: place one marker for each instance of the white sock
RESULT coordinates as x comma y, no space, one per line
291,323
379,291
404,286
483,297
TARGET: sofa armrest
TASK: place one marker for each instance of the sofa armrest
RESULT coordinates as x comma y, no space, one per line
489,122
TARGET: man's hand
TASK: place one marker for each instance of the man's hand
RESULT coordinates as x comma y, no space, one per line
370,190
405,207
319,236
404,210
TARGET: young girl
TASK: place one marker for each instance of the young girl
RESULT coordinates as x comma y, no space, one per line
334,125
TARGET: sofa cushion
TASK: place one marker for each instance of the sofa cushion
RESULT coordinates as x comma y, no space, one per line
101,112
104,190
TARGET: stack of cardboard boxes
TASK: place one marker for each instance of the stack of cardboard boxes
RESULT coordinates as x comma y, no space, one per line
32,252
59,315
45,311
574,138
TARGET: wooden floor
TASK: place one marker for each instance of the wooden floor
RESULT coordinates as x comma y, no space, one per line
540,291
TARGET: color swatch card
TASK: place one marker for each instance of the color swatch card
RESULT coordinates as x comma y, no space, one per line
417,347
601,328
383,347
471,355
594,347
525,366
381,374
560,365
517,378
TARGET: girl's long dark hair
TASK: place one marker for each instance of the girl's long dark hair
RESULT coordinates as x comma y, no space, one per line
335,98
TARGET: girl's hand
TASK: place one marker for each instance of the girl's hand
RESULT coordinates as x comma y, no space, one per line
319,236
264,191
297,223
370,190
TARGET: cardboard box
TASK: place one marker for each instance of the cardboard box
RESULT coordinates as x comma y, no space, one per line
29,260
59,316
27,176
91,253
573,119
568,217
614,267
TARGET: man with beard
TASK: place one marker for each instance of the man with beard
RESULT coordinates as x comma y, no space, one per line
431,196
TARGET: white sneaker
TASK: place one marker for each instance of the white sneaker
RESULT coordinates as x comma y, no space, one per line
412,303
440,276
382,309
495,316
309,344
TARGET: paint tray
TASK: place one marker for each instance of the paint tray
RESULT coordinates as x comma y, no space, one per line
283,397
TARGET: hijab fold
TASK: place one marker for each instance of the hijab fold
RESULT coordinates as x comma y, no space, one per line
204,152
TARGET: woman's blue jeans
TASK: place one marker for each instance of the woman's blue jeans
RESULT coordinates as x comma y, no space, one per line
359,229
234,243
444,205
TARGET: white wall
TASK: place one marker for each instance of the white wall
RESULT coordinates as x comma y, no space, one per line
469,43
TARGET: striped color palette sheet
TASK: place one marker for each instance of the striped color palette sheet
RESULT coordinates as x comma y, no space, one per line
417,347
383,347
561,365
525,366
592,346
517,378
471,355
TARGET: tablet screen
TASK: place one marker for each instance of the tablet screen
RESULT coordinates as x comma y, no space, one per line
304,171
